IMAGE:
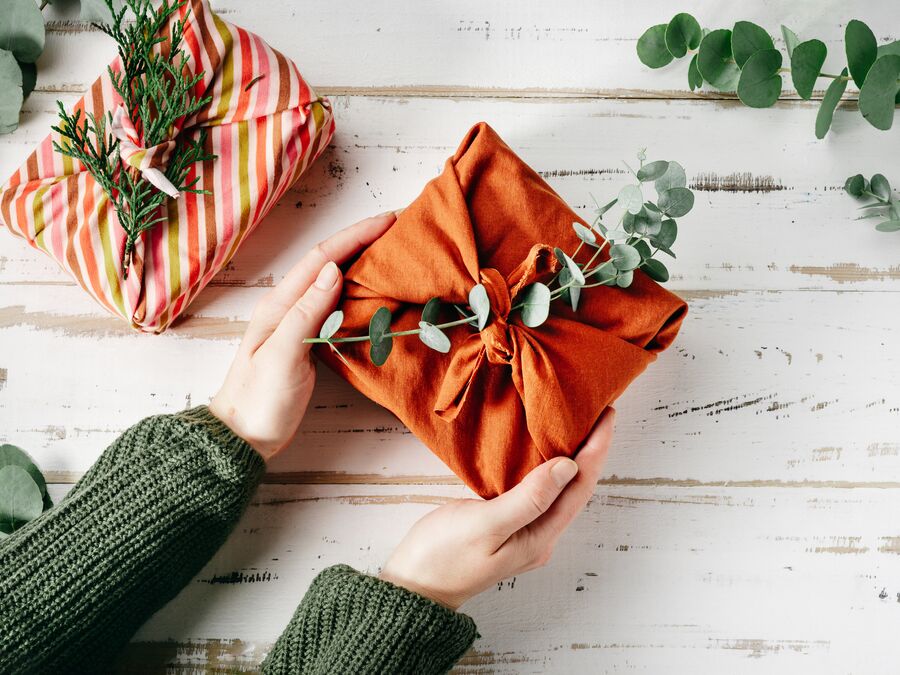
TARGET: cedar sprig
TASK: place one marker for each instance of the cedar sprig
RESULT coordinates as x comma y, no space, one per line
157,92
644,229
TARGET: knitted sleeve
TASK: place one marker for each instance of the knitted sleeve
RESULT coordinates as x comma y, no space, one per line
349,622
76,583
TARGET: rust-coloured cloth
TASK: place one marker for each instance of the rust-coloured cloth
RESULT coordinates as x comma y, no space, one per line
511,397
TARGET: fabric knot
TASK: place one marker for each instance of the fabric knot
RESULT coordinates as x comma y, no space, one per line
152,161
495,335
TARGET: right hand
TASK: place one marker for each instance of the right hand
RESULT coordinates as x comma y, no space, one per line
468,545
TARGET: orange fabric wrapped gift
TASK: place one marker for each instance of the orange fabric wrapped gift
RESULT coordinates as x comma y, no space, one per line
510,397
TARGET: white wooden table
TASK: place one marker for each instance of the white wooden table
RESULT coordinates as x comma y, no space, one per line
747,520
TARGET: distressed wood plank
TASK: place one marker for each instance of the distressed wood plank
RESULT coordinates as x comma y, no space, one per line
760,386
770,211
432,47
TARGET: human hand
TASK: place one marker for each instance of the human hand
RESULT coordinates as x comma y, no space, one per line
270,382
466,546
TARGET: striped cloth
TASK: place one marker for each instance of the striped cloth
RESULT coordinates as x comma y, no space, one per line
264,124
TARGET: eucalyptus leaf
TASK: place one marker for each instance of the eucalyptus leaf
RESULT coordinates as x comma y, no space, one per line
695,79
855,185
332,324
606,274
379,353
434,337
672,178
624,279
888,226
806,64
20,497
862,50
676,202
790,40
877,95
535,304
651,47
379,324
652,171
11,455
22,29
431,311
647,222
571,294
11,95
715,62
606,207
574,270
829,102
617,235
29,77
760,83
655,270
643,249
682,33
586,234
668,232
889,48
747,38
880,187
624,257
480,304
631,199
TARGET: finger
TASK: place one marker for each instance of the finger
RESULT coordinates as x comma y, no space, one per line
590,459
531,498
304,318
338,248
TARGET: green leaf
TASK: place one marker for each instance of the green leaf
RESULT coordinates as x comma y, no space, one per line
651,47
379,353
535,305
379,324
617,235
746,39
643,249
480,304
676,202
624,257
586,234
714,60
29,77
880,187
682,33
647,222
889,48
10,92
829,103
672,178
332,324
862,50
431,311
434,337
624,279
606,207
888,226
567,262
878,93
695,79
22,29
855,185
20,497
571,294
652,171
760,83
96,11
668,232
806,64
655,270
631,199
790,40
10,455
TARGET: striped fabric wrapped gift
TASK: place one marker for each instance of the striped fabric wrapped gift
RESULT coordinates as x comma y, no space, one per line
265,126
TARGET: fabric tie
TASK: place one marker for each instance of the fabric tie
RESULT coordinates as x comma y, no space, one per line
148,161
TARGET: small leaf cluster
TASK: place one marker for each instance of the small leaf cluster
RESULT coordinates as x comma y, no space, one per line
885,206
23,490
744,59
644,229
22,37
156,91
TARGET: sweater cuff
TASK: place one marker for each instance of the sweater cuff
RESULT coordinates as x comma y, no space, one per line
210,431
365,624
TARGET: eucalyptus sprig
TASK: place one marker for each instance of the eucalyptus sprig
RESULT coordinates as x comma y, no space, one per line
884,206
23,490
744,59
156,90
644,229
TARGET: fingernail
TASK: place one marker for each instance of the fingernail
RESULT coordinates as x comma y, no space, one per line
328,277
563,471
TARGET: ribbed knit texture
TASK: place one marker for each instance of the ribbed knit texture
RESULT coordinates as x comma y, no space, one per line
76,583
349,622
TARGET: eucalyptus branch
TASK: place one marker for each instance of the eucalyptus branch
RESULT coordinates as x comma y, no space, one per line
641,225
885,206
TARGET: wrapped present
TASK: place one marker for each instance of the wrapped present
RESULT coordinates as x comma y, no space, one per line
507,398
260,129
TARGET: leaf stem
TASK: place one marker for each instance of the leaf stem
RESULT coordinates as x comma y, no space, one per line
401,333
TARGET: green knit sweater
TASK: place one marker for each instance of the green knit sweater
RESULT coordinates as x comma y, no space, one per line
76,583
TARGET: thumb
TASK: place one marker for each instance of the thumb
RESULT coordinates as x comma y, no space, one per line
306,316
531,498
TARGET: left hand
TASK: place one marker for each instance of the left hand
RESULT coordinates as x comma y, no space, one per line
270,382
